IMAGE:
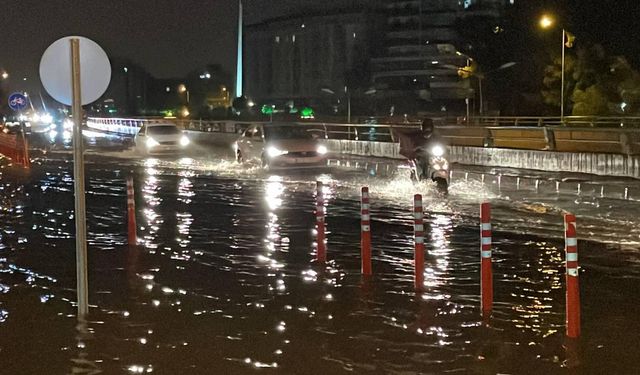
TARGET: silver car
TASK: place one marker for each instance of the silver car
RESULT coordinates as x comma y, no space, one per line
280,145
160,138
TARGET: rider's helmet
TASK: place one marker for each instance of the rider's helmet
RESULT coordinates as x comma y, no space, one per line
427,127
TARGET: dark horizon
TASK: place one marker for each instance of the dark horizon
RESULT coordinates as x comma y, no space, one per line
170,39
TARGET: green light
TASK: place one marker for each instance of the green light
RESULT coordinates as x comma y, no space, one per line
267,109
307,112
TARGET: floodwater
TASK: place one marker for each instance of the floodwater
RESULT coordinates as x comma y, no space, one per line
224,279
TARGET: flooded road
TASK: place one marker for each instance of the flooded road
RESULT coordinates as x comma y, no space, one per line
224,280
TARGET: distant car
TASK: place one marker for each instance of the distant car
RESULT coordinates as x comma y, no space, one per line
160,138
280,145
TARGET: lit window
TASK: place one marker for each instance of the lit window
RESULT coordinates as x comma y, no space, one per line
168,88
277,39
293,38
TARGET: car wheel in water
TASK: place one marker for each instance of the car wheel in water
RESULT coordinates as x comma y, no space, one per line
239,157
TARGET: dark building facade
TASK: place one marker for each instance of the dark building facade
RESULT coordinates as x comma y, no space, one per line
403,55
296,57
425,45
128,90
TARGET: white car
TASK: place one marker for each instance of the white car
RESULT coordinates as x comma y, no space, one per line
160,138
280,145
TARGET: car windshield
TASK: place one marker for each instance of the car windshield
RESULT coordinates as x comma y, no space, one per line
163,130
286,132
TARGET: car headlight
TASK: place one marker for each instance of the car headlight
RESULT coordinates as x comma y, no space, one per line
152,142
273,152
46,118
184,140
322,150
437,150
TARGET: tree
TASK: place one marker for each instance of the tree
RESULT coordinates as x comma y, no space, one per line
595,84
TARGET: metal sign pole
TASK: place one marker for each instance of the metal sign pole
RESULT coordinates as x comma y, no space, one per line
78,176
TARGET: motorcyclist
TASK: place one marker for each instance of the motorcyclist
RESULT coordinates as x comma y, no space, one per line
414,145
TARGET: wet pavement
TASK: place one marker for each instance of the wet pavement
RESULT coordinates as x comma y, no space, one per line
224,279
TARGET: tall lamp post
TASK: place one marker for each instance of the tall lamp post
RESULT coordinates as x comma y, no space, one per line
482,76
466,72
183,89
348,94
546,22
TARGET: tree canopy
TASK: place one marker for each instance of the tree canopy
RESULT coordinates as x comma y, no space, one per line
596,84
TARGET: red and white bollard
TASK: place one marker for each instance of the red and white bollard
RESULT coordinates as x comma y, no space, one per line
486,273
365,233
321,254
418,229
131,213
573,290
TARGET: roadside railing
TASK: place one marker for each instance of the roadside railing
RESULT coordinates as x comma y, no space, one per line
620,135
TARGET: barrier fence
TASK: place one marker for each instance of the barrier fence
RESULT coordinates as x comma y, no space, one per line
575,134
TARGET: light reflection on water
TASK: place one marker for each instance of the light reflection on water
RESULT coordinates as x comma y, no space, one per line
226,282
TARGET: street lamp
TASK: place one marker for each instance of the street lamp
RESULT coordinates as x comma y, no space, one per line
183,89
5,75
346,91
467,71
546,21
482,75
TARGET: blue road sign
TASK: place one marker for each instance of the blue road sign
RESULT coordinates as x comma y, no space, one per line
17,101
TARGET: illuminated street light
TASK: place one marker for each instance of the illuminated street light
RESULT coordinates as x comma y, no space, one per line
546,22
183,89
5,75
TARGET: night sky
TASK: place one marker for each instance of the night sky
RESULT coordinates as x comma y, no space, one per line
170,37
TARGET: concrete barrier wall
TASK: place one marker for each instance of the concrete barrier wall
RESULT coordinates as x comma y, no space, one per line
590,163
578,162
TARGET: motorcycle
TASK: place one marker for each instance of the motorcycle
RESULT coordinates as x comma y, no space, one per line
430,163
426,158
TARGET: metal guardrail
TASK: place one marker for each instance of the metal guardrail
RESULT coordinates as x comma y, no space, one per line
575,134
539,121
354,132
568,121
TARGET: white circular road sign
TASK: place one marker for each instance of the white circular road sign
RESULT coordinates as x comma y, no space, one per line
55,70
